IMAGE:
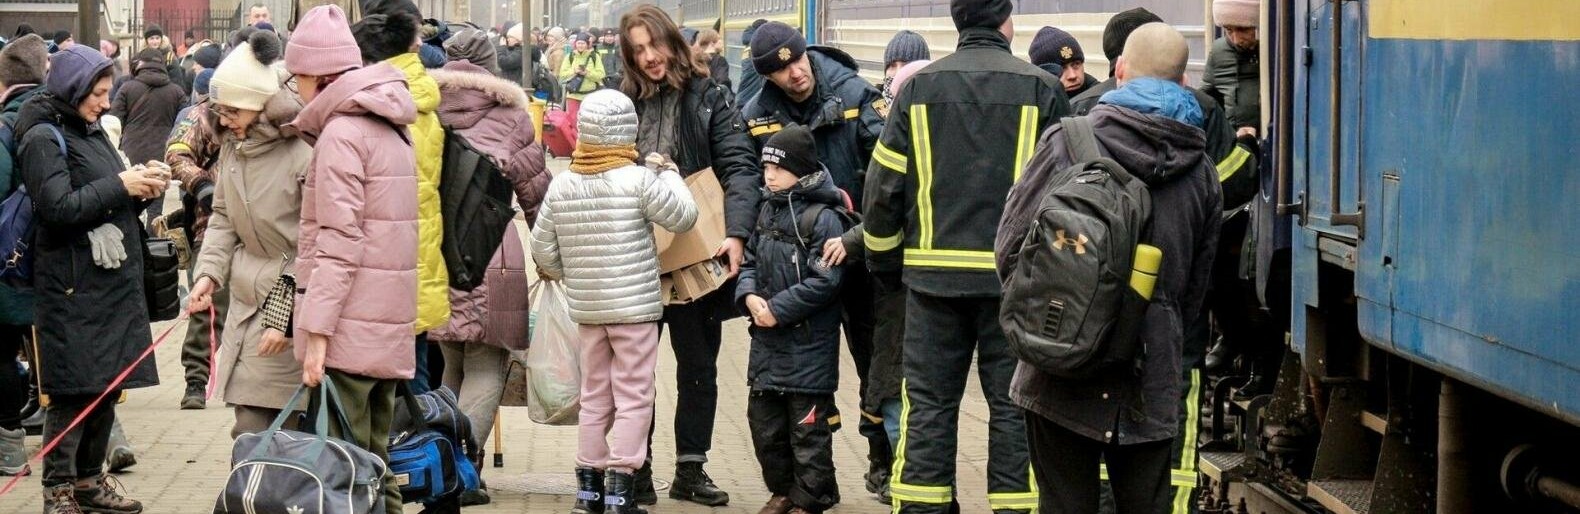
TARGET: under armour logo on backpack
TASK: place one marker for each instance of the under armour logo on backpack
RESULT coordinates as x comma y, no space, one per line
1079,242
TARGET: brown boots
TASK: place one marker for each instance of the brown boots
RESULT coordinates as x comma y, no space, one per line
95,495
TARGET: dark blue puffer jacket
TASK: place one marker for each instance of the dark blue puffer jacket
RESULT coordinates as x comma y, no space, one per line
801,354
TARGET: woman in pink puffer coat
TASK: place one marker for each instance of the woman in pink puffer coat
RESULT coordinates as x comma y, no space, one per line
356,268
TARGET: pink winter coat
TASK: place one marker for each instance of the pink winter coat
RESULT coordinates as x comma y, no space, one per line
491,114
356,268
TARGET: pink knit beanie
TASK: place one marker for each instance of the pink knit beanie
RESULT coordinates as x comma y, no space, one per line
1237,13
322,44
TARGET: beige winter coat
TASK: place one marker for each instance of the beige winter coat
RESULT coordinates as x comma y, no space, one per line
252,239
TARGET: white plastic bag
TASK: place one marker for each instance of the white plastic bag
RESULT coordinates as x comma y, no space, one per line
554,360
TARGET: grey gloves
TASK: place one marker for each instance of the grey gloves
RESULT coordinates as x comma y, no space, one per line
108,248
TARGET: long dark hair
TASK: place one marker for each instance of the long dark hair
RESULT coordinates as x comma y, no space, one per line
664,34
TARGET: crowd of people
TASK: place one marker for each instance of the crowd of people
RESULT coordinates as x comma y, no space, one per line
308,162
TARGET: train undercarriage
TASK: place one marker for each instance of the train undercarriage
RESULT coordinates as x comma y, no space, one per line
1351,428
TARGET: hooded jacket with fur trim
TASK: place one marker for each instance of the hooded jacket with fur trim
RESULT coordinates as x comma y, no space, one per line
490,114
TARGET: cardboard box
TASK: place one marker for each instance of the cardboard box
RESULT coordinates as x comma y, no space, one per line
676,251
688,284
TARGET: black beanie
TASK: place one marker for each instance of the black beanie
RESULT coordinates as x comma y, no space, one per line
1118,30
382,36
208,56
794,150
61,36
746,35
776,45
153,30
980,13
1053,45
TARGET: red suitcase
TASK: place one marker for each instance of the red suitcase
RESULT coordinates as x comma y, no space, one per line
559,133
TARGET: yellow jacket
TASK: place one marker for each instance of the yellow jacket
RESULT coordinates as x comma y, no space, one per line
433,282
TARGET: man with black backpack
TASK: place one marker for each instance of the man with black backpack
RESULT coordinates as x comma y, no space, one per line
1140,151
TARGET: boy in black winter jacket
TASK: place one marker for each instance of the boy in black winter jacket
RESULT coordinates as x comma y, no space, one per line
793,299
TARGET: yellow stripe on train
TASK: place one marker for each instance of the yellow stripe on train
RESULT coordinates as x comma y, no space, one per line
1464,20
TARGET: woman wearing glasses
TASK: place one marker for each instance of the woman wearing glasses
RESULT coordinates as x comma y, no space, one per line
250,245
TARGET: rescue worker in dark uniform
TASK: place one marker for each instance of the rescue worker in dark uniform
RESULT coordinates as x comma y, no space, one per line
818,88
957,139
1236,164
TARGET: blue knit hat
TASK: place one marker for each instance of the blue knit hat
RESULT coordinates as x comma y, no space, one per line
1056,46
776,45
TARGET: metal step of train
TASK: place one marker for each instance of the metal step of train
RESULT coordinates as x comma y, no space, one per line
1342,496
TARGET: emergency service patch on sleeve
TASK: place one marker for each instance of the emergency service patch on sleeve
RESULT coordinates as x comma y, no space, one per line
764,126
882,106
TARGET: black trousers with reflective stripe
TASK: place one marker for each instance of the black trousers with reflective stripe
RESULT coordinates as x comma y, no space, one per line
941,335
1183,472
1067,469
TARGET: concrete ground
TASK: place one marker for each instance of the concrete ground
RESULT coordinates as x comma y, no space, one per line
183,456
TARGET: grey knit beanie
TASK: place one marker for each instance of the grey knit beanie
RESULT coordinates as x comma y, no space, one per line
607,118
906,46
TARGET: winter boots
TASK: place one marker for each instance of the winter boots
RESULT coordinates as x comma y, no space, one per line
193,399
99,495
60,499
617,494
13,452
694,485
589,492
777,505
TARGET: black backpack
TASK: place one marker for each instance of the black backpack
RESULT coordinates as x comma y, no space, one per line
475,203
1068,307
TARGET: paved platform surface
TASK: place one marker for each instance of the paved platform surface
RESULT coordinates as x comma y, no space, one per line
183,456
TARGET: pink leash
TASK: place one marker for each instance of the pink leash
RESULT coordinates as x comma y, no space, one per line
38,457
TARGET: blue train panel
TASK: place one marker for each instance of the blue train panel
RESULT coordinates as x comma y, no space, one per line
1458,131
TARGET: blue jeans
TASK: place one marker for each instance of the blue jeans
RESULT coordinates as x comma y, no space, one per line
891,420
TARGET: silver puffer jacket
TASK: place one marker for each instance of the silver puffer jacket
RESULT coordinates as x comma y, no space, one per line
595,231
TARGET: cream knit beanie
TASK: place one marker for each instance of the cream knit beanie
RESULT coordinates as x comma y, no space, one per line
244,79
1237,13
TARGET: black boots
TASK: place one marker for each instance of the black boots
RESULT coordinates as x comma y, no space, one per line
617,494
643,489
193,399
694,485
589,492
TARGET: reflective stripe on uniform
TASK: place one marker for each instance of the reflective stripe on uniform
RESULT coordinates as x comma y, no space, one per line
766,129
900,491
851,114
922,148
1184,479
1012,501
965,259
1232,164
889,158
881,244
1026,141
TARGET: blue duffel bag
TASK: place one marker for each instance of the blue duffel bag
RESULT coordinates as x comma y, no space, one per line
432,448
287,471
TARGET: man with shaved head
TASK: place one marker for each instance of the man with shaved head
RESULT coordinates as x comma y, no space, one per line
1124,418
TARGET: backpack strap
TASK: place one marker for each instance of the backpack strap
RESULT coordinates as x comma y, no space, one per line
806,223
1081,139
60,140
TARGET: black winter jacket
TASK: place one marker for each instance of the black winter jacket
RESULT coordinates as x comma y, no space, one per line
1170,157
147,106
710,134
801,354
92,322
958,137
845,114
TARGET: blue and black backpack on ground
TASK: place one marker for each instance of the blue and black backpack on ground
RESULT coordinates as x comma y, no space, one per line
16,218
432,449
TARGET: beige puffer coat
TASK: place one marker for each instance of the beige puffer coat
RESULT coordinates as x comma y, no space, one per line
252,239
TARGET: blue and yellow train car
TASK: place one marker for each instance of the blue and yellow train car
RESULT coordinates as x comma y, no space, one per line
1422,199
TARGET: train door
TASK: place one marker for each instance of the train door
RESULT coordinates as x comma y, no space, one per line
1330,192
